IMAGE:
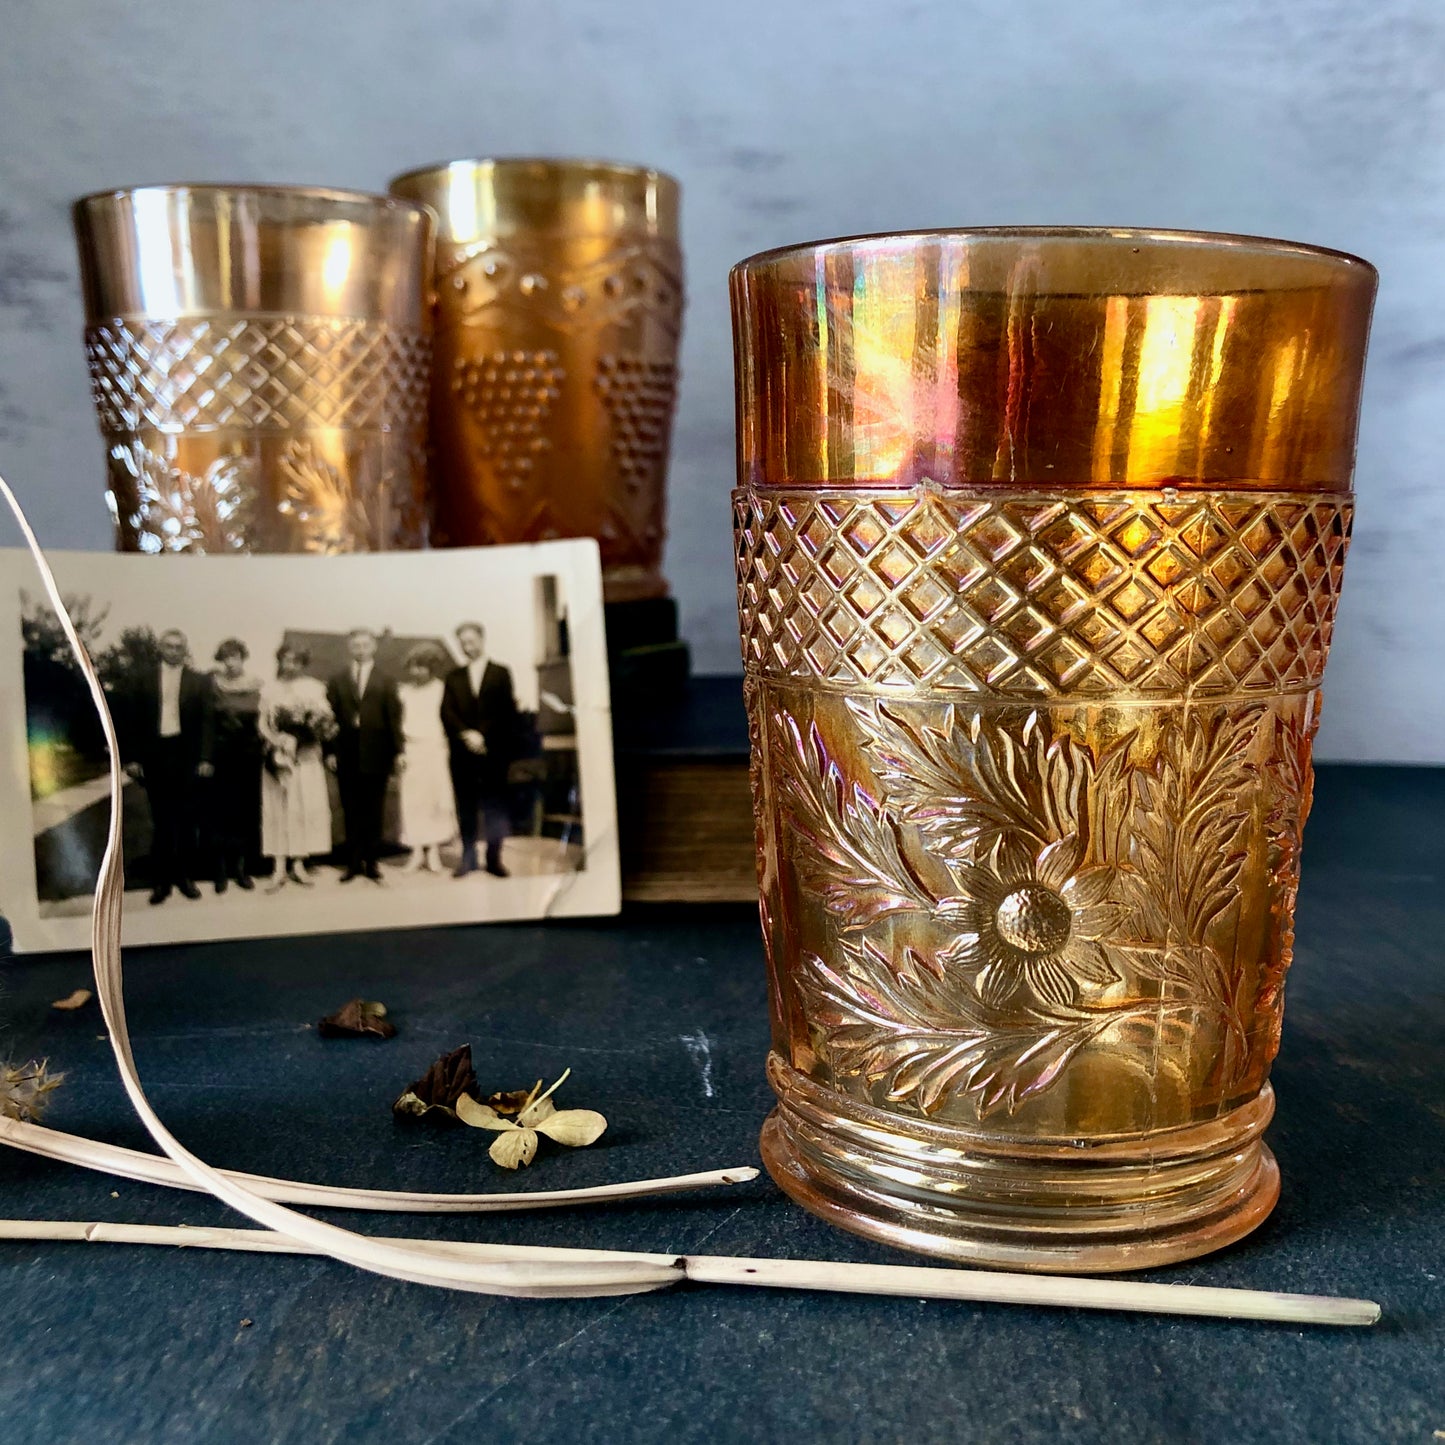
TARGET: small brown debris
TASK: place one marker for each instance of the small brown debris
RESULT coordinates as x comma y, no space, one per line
509,1103
358,1019
72,1001
246,1324
435,1094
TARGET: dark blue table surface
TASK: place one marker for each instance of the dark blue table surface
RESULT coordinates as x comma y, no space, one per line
661,1017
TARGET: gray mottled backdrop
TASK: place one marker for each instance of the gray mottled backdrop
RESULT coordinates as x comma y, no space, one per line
1320,120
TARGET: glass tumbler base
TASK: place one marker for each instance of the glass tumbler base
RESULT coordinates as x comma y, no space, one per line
1047,1206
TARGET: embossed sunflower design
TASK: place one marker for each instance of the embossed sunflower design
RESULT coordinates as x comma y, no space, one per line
1036,921
987,883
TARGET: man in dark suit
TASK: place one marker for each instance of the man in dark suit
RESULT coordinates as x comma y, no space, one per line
366,749
166,740
479,714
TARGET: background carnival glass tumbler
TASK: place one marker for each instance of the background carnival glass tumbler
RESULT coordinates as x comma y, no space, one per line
558,313
260,360
1039,537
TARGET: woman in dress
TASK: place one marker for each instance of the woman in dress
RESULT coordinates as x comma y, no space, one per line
295,722
235,789
428,809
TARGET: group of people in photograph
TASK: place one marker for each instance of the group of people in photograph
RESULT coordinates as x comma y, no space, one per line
233,765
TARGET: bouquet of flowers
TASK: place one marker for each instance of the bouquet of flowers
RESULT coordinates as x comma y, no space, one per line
310,726
300,727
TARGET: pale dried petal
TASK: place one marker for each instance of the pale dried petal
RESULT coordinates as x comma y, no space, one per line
574,1127
78,999
533,1114
410,1104
481,1116
517,1146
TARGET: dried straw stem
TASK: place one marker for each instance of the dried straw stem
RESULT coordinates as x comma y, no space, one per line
919,1282
132,1164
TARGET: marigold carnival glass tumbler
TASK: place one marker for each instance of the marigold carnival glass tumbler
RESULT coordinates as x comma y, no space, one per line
260,358
558,311
1039,541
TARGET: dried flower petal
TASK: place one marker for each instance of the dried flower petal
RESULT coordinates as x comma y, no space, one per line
517,1141
437,1091
481,1116
544,1108
78,999
516,1146
574,1127
359,1018
25,1089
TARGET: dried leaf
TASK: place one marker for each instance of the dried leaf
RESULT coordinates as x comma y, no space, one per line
359,1018
574,1127
25,1089
516,1146
481,1116
542,1109
511,1102
72,1001
435,1094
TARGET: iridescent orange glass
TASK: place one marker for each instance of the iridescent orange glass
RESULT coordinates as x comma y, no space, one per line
1039,535
558,312
259,357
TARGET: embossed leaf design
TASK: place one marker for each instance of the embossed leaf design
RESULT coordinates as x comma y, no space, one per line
1291,784
340,515
177,511
964,784
1291,787
320,499
1191,811
1191,814
853,859
925,1040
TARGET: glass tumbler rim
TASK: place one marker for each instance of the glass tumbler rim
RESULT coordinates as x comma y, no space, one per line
364,200
1321,260
559,165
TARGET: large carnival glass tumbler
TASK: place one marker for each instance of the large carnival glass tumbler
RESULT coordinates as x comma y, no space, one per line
1039,540
260,358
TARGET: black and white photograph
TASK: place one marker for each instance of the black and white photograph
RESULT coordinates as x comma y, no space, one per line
312,744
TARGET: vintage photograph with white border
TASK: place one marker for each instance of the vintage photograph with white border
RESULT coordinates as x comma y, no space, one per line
311,744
